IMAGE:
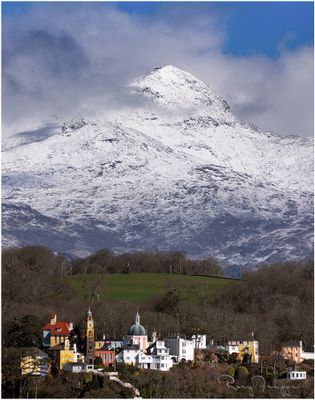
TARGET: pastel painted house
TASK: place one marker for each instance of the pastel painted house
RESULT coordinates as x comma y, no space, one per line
137,334
56,332
244,345
34,362
108,356
292,350
63,354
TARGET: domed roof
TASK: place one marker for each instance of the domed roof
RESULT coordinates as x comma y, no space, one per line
137,329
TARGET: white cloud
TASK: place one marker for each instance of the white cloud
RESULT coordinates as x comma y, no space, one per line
67,59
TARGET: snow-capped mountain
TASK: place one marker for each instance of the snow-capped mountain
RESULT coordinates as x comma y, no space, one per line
176,170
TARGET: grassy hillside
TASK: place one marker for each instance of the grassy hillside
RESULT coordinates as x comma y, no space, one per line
140,287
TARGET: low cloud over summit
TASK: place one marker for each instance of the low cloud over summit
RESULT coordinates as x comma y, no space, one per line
62,60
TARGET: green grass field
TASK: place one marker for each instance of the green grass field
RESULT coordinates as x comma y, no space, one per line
140,287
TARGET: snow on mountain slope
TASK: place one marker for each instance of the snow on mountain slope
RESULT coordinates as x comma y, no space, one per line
178,172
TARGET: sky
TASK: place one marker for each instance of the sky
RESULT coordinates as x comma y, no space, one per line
62,60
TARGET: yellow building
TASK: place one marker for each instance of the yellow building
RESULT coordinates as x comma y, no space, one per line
90,341
99,344
68,355
34,362
242,346
56,332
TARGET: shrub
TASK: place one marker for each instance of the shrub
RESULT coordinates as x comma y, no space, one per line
242,375
231,372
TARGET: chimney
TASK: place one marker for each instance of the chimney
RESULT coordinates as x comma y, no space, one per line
53,319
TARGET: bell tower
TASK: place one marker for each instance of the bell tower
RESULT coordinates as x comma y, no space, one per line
90,342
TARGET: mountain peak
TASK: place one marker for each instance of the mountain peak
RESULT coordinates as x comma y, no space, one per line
169,74
171,70
181,90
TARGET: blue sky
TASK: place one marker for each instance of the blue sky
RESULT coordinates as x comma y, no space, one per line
261,27
65,58
251,27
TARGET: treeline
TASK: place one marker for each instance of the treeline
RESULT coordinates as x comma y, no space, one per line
276,302
105,261
278,299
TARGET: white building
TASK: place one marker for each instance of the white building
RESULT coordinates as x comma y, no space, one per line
200,341
306,355
296,375
129,355
181,349
158,357
75,367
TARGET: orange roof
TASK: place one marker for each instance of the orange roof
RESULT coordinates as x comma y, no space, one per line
59,328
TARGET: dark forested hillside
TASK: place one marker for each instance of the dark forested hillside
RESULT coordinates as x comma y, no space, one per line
275,302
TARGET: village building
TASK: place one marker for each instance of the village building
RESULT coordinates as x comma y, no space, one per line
68,355
296,375
159,357
308,355
63,354
90,342
292,350
129,354
56,332
137,335
108,356
136,352
181,349
200,341
34,362
244,346
111,344
75,367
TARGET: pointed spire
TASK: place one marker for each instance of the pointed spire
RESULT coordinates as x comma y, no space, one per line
137,319
89,311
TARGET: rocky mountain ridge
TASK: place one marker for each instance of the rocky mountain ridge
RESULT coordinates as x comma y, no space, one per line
178,171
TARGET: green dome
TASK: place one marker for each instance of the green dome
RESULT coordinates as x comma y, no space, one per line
136,330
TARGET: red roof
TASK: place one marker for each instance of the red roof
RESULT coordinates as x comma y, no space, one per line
59,328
